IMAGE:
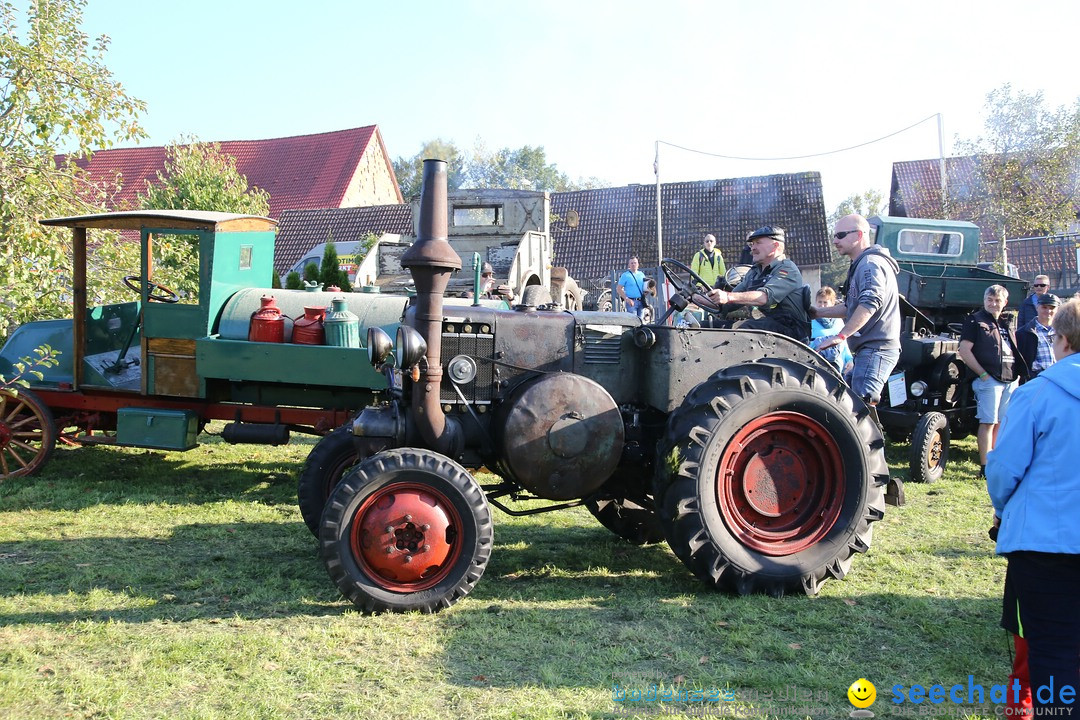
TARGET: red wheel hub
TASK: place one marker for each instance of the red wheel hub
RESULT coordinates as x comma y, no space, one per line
779,483
406,536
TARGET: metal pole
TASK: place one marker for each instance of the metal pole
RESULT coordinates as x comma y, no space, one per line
659,231
941,154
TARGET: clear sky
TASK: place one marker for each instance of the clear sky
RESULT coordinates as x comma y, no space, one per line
597,83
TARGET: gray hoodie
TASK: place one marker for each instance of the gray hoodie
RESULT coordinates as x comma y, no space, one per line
871,282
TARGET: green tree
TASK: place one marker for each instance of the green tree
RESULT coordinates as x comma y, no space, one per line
197,176
1026,178
293,282
311,272
56,96
525,168
330,272
867,203
410,171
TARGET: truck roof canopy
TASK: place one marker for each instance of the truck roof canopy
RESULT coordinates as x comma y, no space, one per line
178,219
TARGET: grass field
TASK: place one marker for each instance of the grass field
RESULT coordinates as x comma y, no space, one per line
146,584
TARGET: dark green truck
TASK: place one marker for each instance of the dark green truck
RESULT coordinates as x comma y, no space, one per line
929,396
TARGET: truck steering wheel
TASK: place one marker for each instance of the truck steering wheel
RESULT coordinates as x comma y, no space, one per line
695,290
134,282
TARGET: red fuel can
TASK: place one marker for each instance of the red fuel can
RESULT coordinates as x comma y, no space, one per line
267,323
308,330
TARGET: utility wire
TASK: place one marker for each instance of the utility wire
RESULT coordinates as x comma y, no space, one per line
798,157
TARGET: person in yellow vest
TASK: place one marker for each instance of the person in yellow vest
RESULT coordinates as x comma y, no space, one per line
708,262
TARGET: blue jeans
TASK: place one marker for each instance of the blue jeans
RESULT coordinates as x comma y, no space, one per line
872,368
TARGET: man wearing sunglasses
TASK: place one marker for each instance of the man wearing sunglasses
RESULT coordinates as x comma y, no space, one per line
1029,309
774,285
871,308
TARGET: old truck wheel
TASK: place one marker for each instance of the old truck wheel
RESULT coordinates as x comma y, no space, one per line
770,477
929,448
27,433
406,529
634,523
326,464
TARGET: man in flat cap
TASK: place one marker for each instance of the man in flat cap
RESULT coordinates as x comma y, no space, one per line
1035,341
774,285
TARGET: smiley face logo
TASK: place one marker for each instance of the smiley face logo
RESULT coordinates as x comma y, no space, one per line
862,693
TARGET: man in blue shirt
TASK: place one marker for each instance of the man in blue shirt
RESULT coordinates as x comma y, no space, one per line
632,288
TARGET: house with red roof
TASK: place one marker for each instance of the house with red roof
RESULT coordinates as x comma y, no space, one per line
344,168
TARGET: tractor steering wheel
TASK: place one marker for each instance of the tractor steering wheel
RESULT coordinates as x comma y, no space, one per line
695,289
157,293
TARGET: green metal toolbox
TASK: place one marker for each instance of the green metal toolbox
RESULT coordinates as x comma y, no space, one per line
157,428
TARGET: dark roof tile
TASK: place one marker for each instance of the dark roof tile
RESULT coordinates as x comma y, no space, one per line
301,230
614,223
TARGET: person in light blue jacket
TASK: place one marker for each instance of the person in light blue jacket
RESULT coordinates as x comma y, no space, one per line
839,355
1034,484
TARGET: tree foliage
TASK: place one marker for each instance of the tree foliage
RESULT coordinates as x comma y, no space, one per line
330,272
410,171
197,176
1026,176
56,96
524,168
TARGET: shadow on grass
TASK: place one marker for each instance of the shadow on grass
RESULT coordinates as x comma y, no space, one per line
77,478
248,570
702,639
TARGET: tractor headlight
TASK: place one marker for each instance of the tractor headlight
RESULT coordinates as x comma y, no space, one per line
409,349
918,388
379,346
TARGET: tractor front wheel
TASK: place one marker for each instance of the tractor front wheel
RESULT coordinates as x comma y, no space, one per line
770,477
929,448
27,433
326,464
406,529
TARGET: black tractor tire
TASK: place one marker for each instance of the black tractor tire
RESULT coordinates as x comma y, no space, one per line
603,303
397,506
535,296
326,464
770,478
635,523
929,448
27,433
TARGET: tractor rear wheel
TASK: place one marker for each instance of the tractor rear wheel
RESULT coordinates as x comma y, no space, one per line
406,529
929,448
326,464
27,433
629,520
770,477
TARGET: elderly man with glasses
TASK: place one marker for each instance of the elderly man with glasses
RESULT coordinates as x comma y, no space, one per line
1030,307
871,308
774,285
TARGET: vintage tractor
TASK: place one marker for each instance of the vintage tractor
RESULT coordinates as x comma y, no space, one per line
743,449
929,398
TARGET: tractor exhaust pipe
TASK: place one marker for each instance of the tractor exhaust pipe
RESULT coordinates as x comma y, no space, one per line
431,261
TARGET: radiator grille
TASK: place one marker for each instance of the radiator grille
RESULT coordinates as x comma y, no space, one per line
480,347
602,349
